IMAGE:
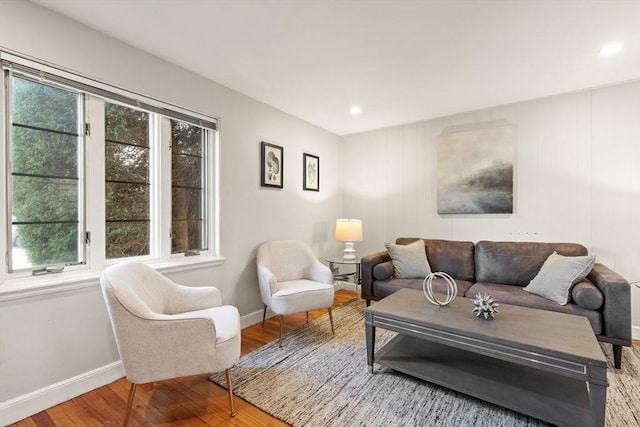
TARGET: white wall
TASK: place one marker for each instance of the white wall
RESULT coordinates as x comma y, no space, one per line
577,179
50,343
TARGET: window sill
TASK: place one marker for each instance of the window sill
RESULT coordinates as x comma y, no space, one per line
35,286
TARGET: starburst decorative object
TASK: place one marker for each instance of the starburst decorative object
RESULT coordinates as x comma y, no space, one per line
485,306
452,289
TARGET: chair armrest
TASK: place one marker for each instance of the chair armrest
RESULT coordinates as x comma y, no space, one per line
617,301
320,273
366,264
189,298
268,284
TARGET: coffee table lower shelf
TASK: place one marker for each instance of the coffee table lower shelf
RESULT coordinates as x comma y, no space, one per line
543,395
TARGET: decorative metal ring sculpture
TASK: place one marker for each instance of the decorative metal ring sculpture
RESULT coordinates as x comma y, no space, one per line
452,289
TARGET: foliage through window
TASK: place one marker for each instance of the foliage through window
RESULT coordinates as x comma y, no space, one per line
45,183
127,198
80,195
188,195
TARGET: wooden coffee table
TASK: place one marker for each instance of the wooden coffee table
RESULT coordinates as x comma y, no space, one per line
543,364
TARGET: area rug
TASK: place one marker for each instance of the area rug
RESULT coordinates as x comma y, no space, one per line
319,379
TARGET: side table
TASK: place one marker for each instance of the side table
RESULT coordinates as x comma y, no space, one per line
354,277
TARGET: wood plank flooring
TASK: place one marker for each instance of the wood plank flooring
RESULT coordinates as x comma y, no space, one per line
188,401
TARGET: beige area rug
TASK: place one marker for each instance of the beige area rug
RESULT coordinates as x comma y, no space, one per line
319,379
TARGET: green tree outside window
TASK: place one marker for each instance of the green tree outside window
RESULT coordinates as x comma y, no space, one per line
45,179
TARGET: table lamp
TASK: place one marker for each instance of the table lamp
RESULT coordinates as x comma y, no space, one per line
349,231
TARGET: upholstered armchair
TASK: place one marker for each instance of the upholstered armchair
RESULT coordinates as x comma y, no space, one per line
292,280
164,330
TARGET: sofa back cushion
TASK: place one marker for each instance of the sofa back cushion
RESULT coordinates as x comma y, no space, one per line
452,257
517,263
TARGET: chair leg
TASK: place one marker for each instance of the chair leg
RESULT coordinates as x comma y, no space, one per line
264,315
230,388
331,320
307,317
280,344
132,392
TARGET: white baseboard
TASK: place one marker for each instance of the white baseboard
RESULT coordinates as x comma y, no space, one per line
28,404
635,332
253,318
350,286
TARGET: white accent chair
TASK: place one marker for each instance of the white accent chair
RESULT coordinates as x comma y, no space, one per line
292,280
164,330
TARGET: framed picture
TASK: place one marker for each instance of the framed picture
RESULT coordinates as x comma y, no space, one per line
272,165
475,171
311,172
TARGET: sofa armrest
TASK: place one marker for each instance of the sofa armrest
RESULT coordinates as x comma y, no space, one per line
366,264
616,310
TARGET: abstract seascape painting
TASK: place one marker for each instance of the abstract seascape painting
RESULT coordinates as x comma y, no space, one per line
475,171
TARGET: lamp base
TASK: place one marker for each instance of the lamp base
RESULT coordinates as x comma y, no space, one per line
349,252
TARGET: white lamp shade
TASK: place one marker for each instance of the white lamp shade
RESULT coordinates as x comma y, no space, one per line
348,230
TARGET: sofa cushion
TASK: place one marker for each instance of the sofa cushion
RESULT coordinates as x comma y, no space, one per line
449,256
409,261
383,271
516,295
558,274
383,288
517,263
587,295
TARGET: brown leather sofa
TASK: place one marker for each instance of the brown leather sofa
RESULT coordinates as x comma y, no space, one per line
503,269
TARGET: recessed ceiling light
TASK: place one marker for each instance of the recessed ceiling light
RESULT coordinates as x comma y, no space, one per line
611,49
355,110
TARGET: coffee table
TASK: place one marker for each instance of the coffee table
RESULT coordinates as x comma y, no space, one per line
540,363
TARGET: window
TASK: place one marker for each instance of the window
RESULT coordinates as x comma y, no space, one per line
187,181
97,174
46,153
127,196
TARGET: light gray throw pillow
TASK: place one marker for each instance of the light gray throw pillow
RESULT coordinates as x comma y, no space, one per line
558,274
409,261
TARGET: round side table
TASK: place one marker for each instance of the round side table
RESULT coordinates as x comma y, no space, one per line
354,277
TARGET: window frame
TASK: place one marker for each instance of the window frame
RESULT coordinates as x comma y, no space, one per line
93,96
204,178
151,149
81,171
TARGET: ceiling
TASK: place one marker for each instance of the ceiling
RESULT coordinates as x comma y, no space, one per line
402,61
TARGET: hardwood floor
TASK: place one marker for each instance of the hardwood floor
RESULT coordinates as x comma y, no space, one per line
188,401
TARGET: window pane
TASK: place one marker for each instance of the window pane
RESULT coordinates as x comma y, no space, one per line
127,172
188,235
125,239
57,199
126,125
46,107
45,178
188,192
127,163
60,248
41,152
187,171
186,138
127,202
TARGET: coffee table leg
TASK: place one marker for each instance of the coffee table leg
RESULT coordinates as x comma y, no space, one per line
370,333
598,395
